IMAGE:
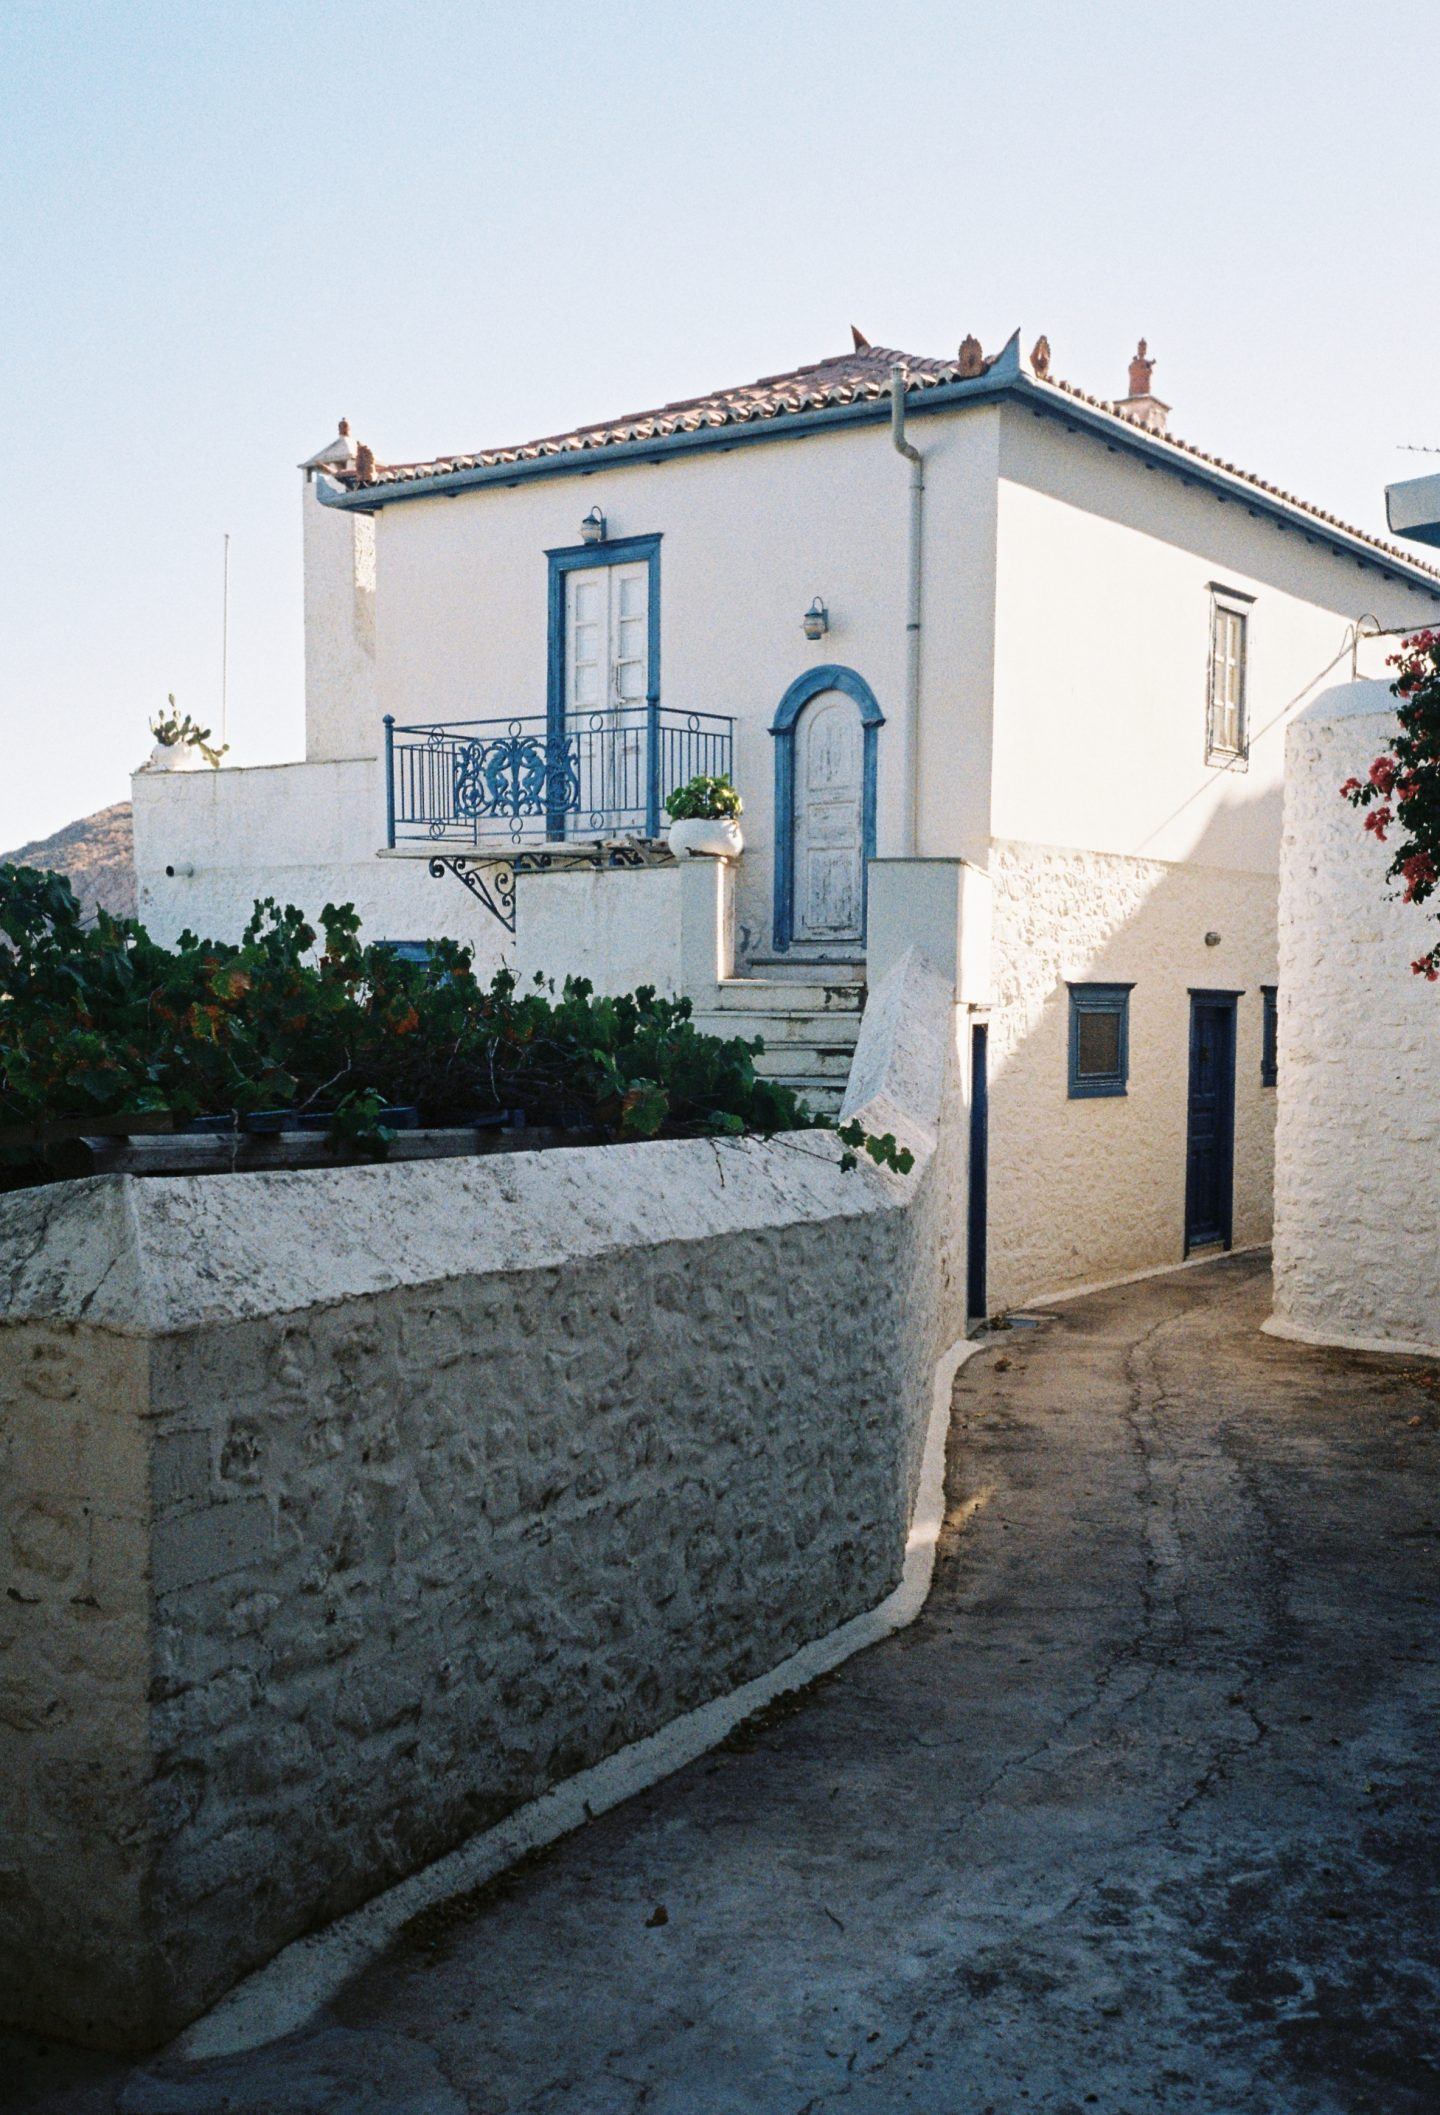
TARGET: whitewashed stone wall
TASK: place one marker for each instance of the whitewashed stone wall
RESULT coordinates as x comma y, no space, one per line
347,1511
1091,1189
306,834
1357,1181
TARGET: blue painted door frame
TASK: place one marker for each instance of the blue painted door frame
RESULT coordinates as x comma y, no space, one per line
976,1255
1210,1122
787,715
576,558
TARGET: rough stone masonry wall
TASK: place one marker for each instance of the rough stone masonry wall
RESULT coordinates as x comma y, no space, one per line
1085,1190
1357,1177
351,1509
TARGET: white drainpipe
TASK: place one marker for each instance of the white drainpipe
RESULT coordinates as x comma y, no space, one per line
910,730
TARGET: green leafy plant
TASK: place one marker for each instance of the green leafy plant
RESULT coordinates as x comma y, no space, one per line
883,1151
101,1023
172,732
704,800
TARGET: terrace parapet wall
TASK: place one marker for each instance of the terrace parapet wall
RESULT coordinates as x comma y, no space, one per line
347,1511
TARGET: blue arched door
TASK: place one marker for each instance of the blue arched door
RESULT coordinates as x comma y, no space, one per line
825,768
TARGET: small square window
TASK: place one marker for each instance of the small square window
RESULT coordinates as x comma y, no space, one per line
408,950
1099,1039
1227,734
1269,1036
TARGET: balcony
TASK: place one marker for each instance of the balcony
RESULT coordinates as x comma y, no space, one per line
513,784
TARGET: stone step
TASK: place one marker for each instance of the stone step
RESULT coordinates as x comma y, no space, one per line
763,995
840,1030
838,969
821,1097
804,1061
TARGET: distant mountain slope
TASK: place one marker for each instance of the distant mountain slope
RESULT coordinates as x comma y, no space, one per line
96,855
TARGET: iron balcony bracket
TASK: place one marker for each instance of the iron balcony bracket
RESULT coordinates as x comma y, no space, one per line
498,893
499,899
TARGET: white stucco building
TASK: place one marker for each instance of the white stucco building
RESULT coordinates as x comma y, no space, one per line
993,663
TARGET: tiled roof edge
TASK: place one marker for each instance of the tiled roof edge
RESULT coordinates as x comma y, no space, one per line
933,385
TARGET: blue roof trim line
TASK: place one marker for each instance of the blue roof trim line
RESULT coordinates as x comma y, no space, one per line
1008,378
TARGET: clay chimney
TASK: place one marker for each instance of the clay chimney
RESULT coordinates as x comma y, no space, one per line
971,360
337,456
1142,407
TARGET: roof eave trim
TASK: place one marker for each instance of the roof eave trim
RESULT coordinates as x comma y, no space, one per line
572,462
1006,378
1118,432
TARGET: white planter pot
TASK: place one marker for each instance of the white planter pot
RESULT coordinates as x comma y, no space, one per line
706,837
174,756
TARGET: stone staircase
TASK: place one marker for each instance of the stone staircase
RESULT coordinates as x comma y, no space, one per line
809,1016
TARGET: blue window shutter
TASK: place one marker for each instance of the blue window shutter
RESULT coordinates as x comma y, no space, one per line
1099,1045
1270,1036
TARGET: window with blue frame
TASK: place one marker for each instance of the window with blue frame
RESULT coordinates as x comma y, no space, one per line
1099,1039
1269,1036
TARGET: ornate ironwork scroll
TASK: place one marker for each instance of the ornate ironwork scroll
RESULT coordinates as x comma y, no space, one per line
497,895
515,775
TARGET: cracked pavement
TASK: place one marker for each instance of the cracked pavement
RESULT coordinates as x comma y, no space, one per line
1140,1814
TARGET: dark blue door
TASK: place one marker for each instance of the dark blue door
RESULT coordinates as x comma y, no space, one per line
979,1174
1210,1162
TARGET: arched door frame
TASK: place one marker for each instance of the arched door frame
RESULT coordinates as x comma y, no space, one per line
782,727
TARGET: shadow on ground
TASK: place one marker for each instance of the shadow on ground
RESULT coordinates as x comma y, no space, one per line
1140,1814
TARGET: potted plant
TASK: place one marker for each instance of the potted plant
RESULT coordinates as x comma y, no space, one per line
703,818
180,745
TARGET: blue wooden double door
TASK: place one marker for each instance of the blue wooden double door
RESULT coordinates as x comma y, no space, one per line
1210,1127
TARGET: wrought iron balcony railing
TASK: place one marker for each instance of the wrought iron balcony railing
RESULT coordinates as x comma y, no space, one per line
522,782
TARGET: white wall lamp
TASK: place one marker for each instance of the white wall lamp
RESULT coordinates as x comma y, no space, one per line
592,528
816,620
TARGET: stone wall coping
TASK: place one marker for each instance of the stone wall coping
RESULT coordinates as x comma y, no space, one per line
153,1256
1365,698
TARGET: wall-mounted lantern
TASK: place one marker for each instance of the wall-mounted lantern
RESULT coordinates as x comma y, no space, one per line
592,528
816,620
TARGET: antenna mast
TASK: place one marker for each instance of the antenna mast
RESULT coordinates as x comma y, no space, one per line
225,649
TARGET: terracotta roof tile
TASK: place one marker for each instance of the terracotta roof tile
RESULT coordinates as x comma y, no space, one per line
849,378
844,380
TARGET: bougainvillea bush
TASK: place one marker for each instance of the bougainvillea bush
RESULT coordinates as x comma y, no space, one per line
101,1022
1401,791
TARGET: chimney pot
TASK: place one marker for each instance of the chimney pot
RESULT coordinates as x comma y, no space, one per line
1142,407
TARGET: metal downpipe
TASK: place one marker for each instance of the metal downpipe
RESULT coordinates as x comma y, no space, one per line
910,745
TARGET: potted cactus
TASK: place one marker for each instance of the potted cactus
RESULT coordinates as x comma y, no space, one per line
704,821
180,745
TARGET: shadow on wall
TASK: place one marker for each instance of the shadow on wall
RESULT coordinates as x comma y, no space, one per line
1084,1189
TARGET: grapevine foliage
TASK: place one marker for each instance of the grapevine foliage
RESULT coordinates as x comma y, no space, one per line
1401,791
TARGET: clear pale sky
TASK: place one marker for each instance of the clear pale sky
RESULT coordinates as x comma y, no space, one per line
222,226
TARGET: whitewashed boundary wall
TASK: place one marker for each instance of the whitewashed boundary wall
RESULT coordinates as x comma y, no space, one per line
347,1511
1357,1169
669,926
208,843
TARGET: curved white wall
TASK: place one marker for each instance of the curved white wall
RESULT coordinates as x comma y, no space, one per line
1357,1175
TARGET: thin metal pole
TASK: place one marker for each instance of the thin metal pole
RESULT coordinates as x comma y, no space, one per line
225,650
